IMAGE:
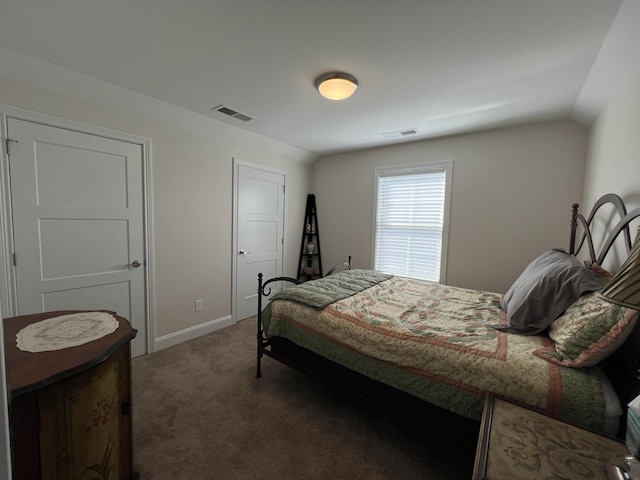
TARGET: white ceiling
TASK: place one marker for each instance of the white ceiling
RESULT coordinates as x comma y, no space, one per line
440,66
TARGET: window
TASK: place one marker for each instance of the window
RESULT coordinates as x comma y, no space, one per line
412,217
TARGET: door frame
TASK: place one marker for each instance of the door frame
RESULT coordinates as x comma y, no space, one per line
8,294
234,254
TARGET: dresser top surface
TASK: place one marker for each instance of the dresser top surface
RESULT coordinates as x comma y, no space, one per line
28,371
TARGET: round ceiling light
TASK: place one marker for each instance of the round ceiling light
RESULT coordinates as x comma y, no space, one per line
336,86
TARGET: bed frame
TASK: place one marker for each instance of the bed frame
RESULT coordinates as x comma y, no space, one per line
622,368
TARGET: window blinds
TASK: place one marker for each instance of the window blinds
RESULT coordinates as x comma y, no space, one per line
410,222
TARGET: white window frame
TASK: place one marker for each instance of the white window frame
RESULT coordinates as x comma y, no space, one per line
445,166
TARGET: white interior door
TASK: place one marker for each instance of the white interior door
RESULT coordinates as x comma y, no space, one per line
260,232
78,223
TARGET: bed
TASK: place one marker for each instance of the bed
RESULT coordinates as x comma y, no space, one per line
433,352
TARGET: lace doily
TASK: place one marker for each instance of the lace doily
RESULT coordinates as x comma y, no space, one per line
65,331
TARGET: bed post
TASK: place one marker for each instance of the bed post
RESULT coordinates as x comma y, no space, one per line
259,335
574,227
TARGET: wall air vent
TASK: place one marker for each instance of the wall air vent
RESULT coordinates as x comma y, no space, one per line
232,113
401,133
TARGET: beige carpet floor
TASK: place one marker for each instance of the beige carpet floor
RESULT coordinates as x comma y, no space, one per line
199,413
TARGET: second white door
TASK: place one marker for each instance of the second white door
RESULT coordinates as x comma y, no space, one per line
260,232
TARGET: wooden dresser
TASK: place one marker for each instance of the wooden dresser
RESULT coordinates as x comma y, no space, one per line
70,409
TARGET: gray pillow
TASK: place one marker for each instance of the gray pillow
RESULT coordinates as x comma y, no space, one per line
544,290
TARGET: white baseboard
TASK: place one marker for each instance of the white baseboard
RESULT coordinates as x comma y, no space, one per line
190,333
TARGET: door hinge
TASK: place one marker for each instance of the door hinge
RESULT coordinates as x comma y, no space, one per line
14,259
7,141
284,188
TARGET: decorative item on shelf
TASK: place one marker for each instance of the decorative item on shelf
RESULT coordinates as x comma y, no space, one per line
308,271
308,228
310,248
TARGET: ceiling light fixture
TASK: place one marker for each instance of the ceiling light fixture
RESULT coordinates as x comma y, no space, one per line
336,85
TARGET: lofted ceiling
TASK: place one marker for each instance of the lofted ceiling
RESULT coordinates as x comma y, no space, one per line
437,66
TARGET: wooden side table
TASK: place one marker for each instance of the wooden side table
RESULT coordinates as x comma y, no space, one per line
516,442
69,409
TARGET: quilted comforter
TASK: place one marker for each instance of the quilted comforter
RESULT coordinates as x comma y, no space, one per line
437,343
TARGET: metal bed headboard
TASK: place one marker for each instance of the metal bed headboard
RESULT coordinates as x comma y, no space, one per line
622,226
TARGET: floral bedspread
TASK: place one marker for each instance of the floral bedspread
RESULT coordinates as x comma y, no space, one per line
438,343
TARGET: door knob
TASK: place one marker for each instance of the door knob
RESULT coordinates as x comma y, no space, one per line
136,263
243,252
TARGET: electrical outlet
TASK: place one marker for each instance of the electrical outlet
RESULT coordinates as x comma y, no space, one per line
199,305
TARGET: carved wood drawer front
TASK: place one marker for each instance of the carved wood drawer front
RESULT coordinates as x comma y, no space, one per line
83,431
70,415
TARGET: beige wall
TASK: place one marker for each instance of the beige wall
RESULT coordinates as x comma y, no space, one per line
512,192
192,203
613,164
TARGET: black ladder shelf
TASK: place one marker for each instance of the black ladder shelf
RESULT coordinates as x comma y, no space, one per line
310,262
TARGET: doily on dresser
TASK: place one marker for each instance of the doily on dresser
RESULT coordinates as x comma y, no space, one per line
65,331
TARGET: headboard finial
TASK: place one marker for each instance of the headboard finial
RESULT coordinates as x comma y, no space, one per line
574,227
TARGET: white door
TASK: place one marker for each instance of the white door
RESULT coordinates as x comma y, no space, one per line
260,232
78,223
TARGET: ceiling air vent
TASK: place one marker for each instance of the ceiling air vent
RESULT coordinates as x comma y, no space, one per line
401,133
232,113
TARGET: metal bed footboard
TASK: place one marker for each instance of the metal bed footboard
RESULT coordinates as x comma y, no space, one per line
262,341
